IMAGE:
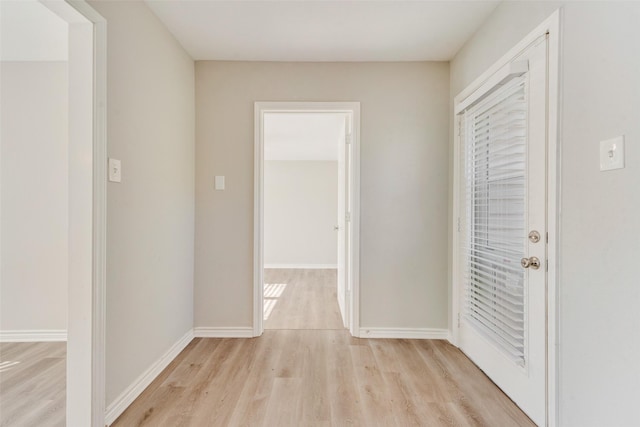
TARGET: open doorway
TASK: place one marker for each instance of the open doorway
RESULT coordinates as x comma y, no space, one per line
52,213
302,187
306,223
34,277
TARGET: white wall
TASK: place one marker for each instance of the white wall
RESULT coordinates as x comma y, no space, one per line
300,211
599,293
404,173
29,31
34,138
150,214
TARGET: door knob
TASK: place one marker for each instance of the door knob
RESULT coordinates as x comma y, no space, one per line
534,236
532,262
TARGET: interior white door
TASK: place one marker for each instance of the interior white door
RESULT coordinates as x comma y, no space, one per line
345,233
502,324
340,221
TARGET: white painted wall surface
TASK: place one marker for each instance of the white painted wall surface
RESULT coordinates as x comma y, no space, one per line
598,284
300,211
404,174
29,31
150,214
34,138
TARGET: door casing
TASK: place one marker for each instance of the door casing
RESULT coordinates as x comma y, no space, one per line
551,26
353,252
87,211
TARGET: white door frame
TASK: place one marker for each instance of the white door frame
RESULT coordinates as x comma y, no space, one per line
260,108
550,26
85,394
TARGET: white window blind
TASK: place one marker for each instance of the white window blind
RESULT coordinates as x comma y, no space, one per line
493,134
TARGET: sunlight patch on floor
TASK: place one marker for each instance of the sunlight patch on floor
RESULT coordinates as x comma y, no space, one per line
5,366
272,291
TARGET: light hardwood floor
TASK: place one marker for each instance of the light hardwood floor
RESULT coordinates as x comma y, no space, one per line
287,377
306,370
32,384
321,378
301,299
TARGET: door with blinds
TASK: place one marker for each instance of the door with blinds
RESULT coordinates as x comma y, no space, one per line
502,240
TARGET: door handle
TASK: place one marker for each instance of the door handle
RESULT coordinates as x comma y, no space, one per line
532,262
534,236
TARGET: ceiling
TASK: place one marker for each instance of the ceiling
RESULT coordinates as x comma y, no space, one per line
322,30
29,31
302,136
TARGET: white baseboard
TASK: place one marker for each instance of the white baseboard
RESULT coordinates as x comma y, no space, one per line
224,332
405,333
302,266
34,335
126,398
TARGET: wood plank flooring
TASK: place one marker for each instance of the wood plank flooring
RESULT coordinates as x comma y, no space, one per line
33,384
287,377
321,378
306,370
301,299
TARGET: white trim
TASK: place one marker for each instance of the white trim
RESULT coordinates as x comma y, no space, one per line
554,186
539,31
260,108
258,219
88,341
500,78
302,266
405,333
34,335
354,269
224,332
455,241
99,217
552,26
126,398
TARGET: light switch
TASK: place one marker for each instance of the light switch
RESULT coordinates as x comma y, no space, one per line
115,170
219,183
612,154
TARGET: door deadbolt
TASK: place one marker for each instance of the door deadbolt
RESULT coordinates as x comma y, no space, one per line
532,262
534,236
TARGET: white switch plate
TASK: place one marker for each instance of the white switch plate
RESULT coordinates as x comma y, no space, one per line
219,183
612,154
115,170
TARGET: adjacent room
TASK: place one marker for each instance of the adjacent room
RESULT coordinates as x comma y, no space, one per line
35,212
285,213
301,219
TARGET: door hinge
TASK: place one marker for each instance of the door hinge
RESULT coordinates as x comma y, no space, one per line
348,139
458,224
547,237
347,217
458,319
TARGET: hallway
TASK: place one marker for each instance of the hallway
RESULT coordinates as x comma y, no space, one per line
307,370
321,378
